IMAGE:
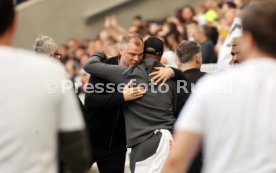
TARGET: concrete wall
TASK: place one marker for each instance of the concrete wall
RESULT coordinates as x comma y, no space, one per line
65,19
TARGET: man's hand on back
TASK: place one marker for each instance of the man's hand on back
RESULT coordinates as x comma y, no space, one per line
132,93
161,74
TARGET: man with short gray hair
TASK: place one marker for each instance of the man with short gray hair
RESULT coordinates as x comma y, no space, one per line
46,45
189,60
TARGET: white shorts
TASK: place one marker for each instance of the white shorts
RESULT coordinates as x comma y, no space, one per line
154,163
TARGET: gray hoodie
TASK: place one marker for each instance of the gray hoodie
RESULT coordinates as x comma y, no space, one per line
145,115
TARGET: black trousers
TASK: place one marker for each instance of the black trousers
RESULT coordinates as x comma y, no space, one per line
197,163
109,161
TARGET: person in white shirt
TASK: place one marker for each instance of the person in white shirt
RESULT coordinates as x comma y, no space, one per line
35,109
224,56
238,136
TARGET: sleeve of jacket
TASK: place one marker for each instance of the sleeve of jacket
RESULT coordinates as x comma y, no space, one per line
178,74
100,100
108,72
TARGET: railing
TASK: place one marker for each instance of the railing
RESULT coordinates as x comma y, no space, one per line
208,68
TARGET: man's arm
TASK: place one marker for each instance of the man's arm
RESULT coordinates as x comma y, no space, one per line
111,73
178,74
163,74
183,151
99,100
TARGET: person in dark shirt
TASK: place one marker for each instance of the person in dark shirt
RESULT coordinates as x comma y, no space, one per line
207,45
189,61
105,118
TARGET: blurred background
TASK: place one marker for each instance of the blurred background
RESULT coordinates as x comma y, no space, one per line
85,19
82,27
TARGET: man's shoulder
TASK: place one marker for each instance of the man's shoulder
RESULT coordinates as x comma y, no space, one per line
201,74
113,60
31,61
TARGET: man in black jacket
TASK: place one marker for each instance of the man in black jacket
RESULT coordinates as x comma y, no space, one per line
189,61
105,119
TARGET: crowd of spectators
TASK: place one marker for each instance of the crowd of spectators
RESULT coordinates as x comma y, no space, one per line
208,23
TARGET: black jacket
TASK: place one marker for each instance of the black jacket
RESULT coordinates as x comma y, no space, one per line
104,114
192,76
182,94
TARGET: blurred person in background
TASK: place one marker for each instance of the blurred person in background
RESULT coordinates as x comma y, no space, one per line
213,34
168,57
62,49
46,45
235,51
248,106
154,26
167,28
226,6
171,36
79,51
32,115
71,60
179,26
172,39
72,45
192,30
224,54
94,45
186,14
207,45
138,26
